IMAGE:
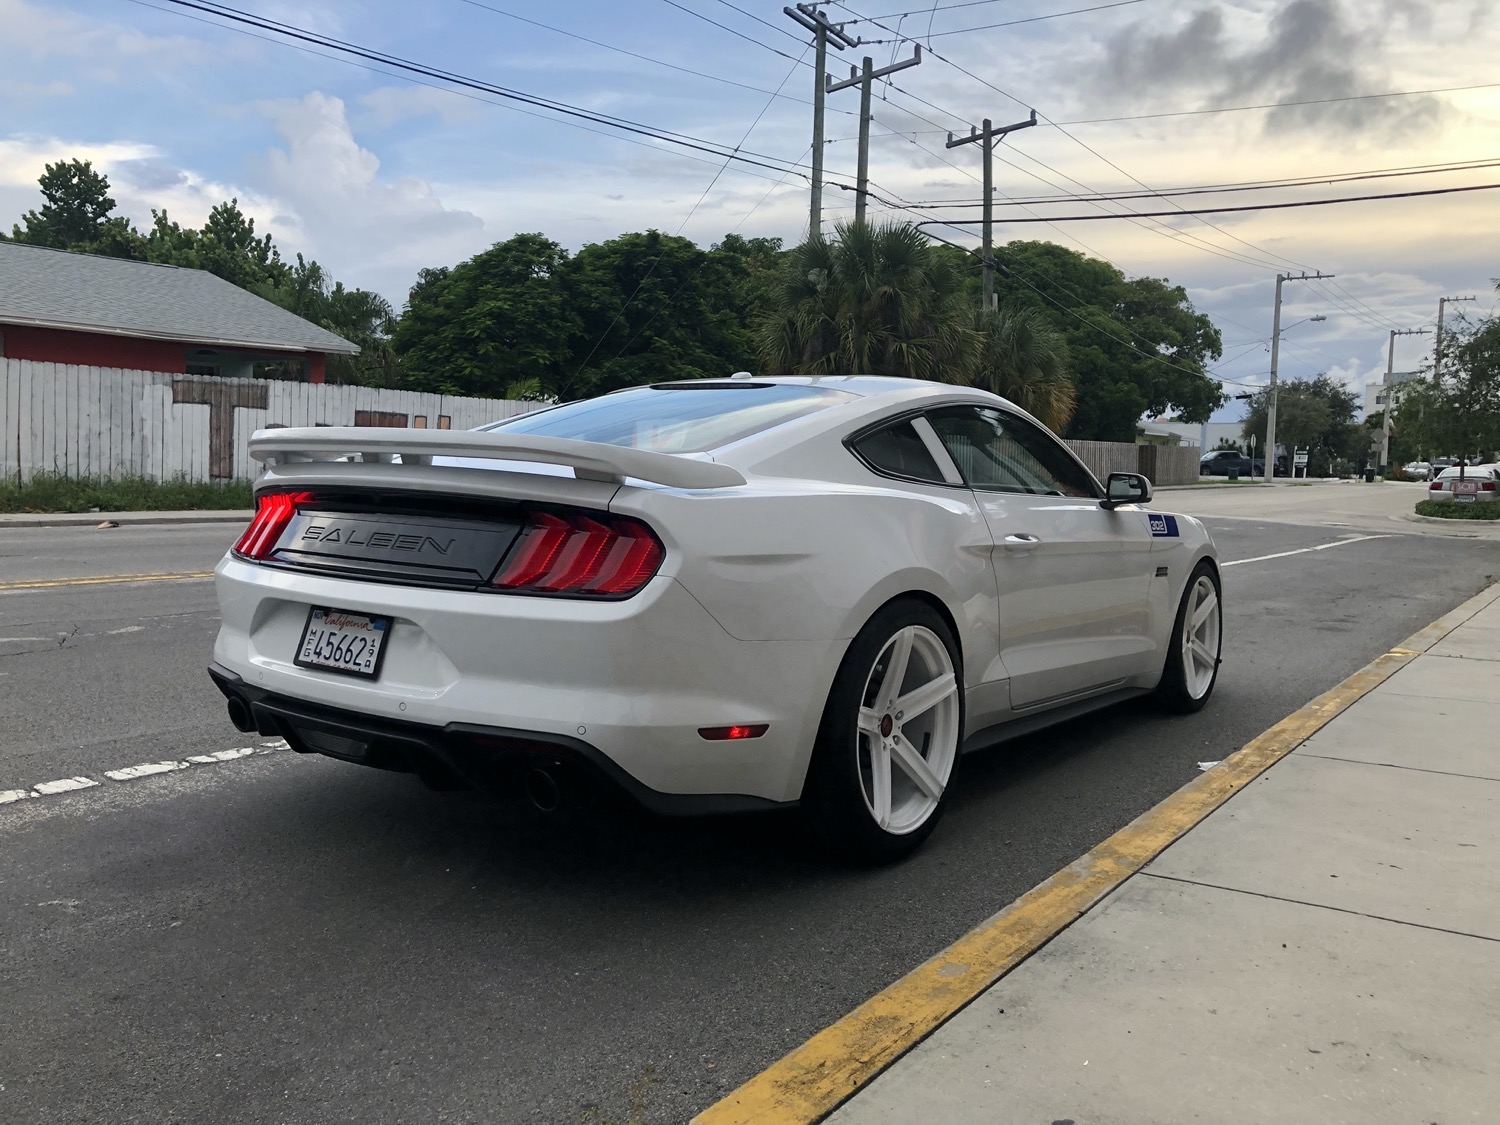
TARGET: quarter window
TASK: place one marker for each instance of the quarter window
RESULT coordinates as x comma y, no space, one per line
999,452
898,450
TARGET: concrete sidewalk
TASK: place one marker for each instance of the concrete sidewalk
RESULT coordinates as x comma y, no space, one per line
93,519
1325,946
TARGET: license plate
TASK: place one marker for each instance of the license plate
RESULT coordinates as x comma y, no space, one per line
339,641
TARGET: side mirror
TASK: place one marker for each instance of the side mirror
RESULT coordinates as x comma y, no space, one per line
1126,488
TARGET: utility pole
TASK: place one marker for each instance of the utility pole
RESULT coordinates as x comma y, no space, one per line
1437,343
824,33
986,138
1270,450
862,78
1390,401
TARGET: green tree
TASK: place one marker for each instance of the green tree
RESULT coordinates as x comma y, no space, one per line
655,307
1460,415
500,319
1023,357
229,247
1136,346
874,300
77,207
358,315
1316,414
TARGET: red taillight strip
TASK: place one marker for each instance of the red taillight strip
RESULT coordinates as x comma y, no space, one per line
273,511
581,553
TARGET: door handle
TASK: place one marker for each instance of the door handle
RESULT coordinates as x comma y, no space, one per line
1021,541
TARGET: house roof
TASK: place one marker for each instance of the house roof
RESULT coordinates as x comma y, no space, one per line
88,293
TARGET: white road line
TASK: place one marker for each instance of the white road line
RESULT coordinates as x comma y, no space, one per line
130,773
145,769
1305,550
64,785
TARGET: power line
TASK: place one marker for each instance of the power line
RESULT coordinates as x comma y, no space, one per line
1248,207
631,54
684,140
1011,23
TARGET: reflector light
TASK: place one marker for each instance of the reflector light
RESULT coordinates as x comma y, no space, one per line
587,553
726,734
273,511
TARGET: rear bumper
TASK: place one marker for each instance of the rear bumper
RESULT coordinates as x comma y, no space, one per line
473,754
631,682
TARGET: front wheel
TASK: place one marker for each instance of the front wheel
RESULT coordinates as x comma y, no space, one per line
1197,640
889,740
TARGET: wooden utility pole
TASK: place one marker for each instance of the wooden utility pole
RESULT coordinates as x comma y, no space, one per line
824,33
862,78
986,138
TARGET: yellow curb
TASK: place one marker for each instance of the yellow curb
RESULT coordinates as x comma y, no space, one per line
819,1076
104,580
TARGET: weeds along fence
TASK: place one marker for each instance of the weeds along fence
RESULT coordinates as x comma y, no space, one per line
108,422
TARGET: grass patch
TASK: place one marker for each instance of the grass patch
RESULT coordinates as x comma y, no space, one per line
1453,510
47,492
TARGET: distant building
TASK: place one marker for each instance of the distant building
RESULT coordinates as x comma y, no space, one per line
1152,431
1375,392
57,306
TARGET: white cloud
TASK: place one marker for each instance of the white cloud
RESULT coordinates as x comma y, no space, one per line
392,105
369,230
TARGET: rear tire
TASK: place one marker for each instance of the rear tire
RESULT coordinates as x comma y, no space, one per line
888,746
1192,667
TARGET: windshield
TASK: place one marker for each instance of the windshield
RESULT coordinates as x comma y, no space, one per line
682,418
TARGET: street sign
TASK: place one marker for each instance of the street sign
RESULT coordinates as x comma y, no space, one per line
1302,457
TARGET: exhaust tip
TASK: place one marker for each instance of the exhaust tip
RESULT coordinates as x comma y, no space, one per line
543,790
240,716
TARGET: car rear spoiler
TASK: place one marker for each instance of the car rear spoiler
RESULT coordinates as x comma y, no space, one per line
589,460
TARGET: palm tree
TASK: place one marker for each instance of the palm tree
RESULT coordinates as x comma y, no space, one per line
873,301
1022,357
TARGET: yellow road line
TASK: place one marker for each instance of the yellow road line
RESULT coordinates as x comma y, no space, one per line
104,580
817,1077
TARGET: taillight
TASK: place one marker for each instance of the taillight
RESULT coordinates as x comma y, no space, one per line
581,553
1487,486
1435,486
273,511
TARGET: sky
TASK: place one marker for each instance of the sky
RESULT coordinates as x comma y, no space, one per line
378,176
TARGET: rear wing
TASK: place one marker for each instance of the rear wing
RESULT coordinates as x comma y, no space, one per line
589,460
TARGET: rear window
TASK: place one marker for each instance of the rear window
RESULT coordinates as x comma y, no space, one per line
683,418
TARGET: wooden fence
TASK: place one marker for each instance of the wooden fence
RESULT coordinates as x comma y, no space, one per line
106,422
1161,464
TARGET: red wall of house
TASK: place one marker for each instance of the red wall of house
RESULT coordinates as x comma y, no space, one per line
98,349
92,349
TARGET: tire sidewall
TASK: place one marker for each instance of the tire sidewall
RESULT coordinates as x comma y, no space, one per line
1173,690
833,798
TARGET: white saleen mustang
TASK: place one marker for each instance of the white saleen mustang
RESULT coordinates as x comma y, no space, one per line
717,595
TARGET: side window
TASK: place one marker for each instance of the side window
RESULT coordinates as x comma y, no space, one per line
898,450
1000,452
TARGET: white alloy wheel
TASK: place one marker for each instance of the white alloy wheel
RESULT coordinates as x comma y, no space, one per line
1200,638
908,730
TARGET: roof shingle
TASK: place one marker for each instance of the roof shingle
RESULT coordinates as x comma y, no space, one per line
88,293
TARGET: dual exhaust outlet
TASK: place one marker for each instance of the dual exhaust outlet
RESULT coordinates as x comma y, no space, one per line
545,786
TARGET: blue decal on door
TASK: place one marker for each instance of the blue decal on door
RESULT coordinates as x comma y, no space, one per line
1163,527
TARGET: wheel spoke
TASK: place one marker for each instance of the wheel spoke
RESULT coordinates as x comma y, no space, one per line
895,669
869,722
1201,652
923,699
915,767
880,782
1204,610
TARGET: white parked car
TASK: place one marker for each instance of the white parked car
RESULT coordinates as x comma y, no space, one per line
1480,482
717,595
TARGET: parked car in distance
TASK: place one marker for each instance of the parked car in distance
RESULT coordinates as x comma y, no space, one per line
1220,461
1479,482
1421,470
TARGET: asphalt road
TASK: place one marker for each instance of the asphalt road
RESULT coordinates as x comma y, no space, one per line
289,939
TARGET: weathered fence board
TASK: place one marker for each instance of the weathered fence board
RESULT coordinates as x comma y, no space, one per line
92,421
